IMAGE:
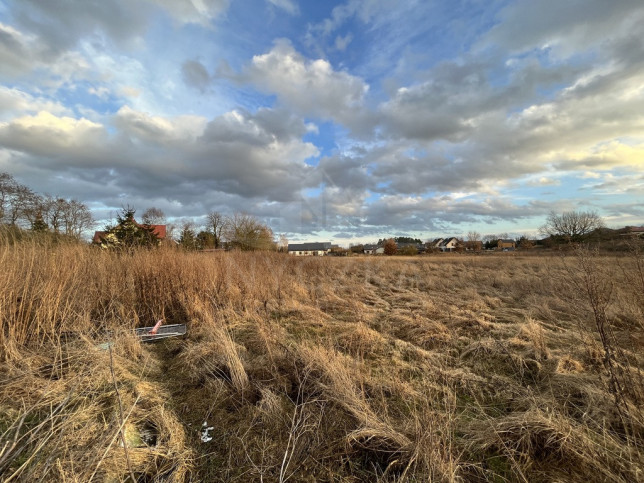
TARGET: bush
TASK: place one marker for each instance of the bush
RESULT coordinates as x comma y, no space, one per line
390,247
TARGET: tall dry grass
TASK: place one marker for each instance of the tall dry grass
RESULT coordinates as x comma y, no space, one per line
440,368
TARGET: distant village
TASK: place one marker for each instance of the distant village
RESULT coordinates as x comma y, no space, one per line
409,246
400,246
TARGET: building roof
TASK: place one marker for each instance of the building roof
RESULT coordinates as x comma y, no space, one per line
159,231
307,247
370,247
446,241
98,236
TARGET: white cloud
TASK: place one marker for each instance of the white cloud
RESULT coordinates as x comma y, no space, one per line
101,92
565,28
590,175
18,52
193,11
50,135
341,43
310,87
544,181
14,102
290,6
249,155
157,129
129,91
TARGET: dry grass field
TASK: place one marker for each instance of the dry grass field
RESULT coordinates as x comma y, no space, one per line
505,367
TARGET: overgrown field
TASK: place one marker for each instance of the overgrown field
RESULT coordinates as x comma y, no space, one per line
439,368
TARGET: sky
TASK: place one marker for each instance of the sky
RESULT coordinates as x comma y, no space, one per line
342,121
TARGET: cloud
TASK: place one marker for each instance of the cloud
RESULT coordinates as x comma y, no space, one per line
48,135
309,87
193,11
544,181
129,91
345,172
341,43
289,6
414,213
364,10
158,130
196,75
247,155
257,155
18,52
590,175
60,26
566,28
15,102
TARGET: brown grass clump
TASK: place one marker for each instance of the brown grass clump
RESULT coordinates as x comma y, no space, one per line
442,368
360,341
547,445
568,365
61,420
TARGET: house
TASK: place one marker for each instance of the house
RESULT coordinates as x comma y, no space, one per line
159,230
448,244
435,243
315,249
370,249
505,244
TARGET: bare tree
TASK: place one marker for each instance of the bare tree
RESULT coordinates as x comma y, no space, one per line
282,244
573,226
18,203
216,222
247,233
153,216
76,218
53,212
69,217
7,188
23,205
473,240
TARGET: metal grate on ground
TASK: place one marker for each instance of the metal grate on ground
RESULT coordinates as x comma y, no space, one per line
163,332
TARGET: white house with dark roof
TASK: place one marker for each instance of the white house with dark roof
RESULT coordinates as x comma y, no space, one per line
372,249
448,244
435,243
314,249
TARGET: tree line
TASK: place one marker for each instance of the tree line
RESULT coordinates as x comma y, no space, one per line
22,207
238,231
